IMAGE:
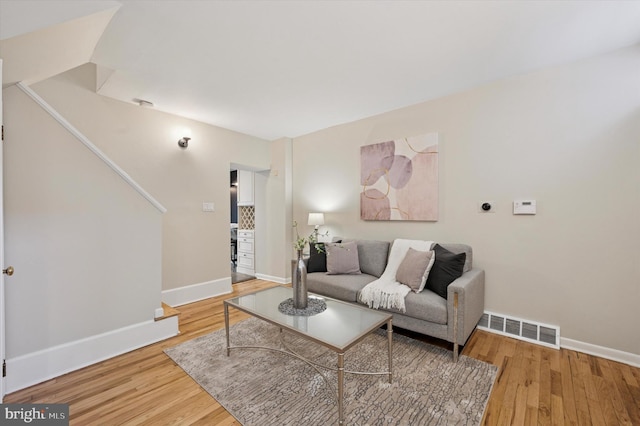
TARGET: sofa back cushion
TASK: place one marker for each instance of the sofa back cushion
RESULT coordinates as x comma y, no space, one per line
372,255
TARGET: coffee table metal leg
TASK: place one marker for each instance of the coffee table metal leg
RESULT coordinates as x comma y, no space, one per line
226,325
390,348
341,388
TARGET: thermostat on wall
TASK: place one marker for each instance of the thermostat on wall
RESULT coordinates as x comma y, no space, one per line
524,207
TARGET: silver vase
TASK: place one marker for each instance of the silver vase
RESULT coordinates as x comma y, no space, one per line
299,277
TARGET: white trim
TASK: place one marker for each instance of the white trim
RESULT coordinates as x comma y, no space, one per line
36,367
601,351
278,280
3,317
196,292
247,271
82,138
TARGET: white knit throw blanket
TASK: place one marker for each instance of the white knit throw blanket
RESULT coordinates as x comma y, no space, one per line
386,292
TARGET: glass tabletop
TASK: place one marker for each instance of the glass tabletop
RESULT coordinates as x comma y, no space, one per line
339,327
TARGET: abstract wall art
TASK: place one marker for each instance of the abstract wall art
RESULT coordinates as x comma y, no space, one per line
399,179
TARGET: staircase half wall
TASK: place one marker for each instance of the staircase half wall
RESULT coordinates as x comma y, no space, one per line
85,241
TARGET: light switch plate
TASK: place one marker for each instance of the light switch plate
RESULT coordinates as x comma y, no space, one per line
208,207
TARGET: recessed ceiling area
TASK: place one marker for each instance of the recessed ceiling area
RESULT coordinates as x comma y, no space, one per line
286,68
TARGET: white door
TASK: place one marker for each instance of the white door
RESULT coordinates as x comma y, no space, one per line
2,358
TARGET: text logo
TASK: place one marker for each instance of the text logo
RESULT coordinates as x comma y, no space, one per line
34,414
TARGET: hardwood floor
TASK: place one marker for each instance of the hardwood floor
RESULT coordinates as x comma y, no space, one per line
535,385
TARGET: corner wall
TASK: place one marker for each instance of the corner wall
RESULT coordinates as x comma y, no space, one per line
273,245
568,137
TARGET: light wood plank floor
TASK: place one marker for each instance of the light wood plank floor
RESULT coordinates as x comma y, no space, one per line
535,385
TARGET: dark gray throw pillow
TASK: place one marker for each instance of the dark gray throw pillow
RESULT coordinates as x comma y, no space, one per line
317,259
446,269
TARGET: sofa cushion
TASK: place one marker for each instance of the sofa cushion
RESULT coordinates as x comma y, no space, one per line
414,269
342,287
342,258
447,267
372,255
427,306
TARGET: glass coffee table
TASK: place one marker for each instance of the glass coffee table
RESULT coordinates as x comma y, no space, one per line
338,328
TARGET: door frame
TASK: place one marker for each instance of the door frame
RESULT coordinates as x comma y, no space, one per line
2,265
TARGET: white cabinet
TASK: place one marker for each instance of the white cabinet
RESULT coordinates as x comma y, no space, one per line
246,222
245,252
245,188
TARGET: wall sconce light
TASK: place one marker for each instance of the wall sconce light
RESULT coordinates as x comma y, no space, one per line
184,142
316,219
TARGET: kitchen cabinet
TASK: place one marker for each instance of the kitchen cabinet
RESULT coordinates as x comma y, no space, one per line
246,252
245,188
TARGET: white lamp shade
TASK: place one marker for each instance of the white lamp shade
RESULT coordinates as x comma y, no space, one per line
316,219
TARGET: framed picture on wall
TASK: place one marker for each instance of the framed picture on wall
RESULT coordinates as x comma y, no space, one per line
399,179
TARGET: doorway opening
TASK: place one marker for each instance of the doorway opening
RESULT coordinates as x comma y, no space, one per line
242,227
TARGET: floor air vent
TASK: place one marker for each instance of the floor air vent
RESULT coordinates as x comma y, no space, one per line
542,334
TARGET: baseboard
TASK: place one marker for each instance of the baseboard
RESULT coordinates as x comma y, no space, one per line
278,280
246,271
601,351
37,367
195,292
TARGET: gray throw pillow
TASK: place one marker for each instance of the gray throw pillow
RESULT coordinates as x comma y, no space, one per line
414,269
342,258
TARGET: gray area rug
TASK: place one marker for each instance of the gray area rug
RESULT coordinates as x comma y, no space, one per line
260,387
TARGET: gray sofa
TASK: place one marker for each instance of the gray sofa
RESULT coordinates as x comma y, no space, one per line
427,313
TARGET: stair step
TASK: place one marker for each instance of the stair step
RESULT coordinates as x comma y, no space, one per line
168,312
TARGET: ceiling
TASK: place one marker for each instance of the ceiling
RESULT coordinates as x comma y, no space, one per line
286,68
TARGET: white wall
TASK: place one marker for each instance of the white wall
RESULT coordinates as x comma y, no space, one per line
144,142
273,242
568,137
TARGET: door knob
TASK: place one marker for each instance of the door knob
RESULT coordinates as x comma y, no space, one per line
9,271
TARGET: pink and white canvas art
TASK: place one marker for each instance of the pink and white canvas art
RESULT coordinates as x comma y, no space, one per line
399,179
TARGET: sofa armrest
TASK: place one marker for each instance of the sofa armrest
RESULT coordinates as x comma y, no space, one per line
470,290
